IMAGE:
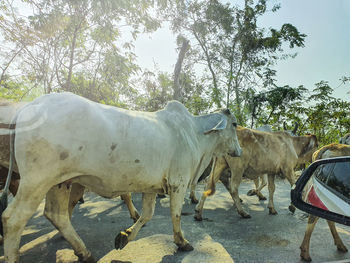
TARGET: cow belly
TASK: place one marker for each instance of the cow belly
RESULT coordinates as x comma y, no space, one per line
115,185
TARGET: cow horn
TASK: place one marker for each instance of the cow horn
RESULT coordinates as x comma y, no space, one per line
295,127
284,126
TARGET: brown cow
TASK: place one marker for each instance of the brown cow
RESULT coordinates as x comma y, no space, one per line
263,153
328,151
260,182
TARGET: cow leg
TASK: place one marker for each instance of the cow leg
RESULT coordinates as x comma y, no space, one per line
15,217
337,241
193,197
252,192
219,164
76,194
148,205
233,189
177,196
291,179
271,187
199,207
263,183
226,181
305,245
57,212
132,210
14,184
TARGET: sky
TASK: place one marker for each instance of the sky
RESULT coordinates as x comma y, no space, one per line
326,55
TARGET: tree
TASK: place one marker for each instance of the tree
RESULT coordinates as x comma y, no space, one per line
327,117
272,106
156,91
232,46
177,70
65,43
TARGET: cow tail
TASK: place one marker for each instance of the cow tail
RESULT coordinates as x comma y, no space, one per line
211,183
3,198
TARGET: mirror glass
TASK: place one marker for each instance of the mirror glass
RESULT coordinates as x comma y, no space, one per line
329,188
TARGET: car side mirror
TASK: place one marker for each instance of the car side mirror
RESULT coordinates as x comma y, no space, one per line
323,190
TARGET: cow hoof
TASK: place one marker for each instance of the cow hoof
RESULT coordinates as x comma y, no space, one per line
305,258
86,259
198,217
186,247
292,208
194,200
251,192
272,211
262,198
89,260
121,240
245,215
342,248
161,195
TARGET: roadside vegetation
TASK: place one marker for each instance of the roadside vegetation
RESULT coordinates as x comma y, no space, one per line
225,59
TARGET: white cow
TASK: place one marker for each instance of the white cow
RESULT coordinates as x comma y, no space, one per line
8,110
111,151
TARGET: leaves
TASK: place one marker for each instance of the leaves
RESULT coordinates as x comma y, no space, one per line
76,45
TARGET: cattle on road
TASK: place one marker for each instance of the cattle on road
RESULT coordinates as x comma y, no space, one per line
263,152
110,151
261,181
8,110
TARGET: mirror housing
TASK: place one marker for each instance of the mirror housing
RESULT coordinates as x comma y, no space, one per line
298,190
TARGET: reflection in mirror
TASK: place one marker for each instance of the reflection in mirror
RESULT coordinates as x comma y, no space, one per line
329,188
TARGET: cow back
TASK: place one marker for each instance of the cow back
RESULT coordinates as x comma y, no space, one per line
331,150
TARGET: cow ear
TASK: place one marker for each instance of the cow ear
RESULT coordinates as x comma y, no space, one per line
218,127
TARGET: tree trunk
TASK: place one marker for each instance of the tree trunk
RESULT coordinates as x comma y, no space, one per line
177,89
71,60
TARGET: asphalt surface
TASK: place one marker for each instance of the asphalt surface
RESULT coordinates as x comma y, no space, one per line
221,237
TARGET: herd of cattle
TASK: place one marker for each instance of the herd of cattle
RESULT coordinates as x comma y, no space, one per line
60,144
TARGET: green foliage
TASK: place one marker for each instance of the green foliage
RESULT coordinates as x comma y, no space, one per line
328,118
81,46
68,43
17,90
236,51
157,91
319,113
271,106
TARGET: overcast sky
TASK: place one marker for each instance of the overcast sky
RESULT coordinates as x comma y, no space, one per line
326,55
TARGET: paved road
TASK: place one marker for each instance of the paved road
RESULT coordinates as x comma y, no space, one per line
222,237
